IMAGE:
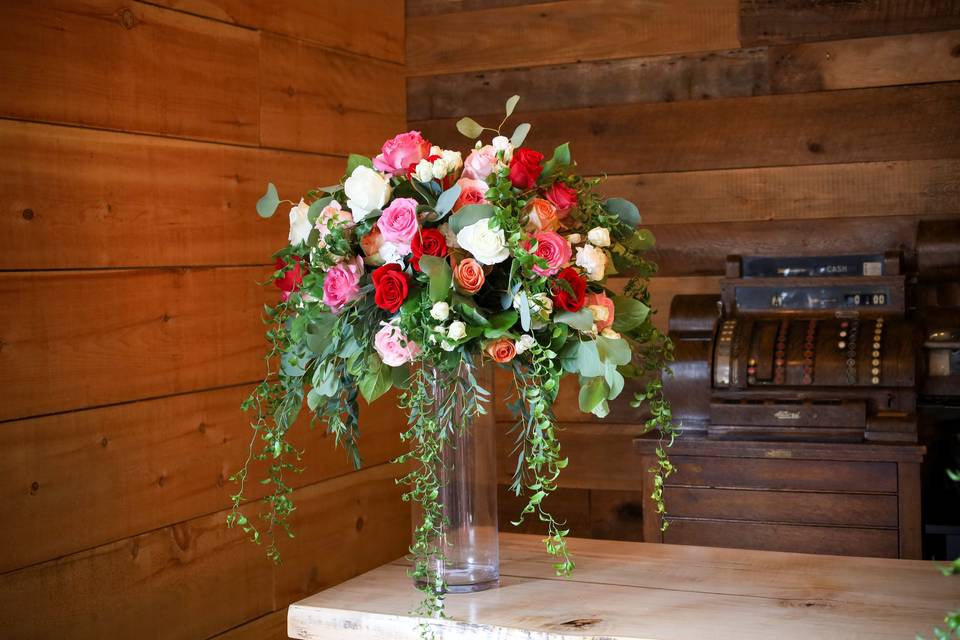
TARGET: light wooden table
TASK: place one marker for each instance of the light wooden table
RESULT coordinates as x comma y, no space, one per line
630,590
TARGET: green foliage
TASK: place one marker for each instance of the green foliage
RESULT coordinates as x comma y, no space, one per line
440,274
355,160
560,158
447,199
268,202
469,127
629,313
520,134
470,214
625,210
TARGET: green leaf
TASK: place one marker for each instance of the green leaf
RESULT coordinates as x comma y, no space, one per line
561,158
626,210
319,332
440,274
640,240
588,360
355,160
376,381
524,311
511,105
472,316
503,320
613,378
592,394
333,188
267,205
447,199
469,127
615,350
520,134
628,313
470,214
581,320
316,207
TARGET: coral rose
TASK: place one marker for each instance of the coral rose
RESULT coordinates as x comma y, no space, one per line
390,287
471,192
468,276
602,309
502,350
554,249
542,216
570,300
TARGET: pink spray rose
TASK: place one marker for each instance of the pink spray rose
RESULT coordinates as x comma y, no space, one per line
471,192
480,163
398,224
553,248
331,216
402,153
342,283
602,309
393,346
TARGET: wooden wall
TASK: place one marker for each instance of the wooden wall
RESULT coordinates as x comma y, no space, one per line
136,139
750,126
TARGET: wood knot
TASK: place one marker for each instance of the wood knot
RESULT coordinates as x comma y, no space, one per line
359,524
202,428
181,535
104,442
34,487
220,480
27,214
580,623
127,19
162,480
166,317
291,91
814,147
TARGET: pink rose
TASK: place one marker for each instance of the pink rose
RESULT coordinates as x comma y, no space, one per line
553,248
480,163
393,346
342,283
602,309
402,153
471,192
398,224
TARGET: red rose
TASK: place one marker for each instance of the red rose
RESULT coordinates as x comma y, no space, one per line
429,242
390,287
563,198
292,279
525,167
563,298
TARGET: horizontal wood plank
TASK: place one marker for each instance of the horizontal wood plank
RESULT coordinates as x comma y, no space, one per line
315,99
150,464
559,32
128,66
812,192
75,339
204,576
434,7
372,28
79,198
860,125
272,626
778,21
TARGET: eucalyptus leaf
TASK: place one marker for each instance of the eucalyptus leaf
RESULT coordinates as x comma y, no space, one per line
355,160
447,199
316,207
469,127
319,332
440,274
520,134
588,360
581,320
470,214
472,316
613,378
268,203
376,381
625,210
628,313
615,350
503,320
640,240
511,105
333,188
524,305
561,158
592,394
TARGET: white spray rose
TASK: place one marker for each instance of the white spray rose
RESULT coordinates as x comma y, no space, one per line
299,223
440,311
599,237
574,238
610,333
391,252
502,143
487,245
599,312
525,342
592,260
366,190
457,330
424,171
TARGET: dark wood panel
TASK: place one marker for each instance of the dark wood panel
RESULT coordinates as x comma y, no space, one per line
806,475
841,541
559,32
314,99
896,123
783,506
616,515
149,464
434,7
773,21
372,28
78,198
198,578
863,452
130,66
79,339
569,505
813,192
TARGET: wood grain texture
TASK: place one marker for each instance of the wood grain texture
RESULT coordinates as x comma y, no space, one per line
372,28
434,7
75,339
315,99
150,464
630,590
204,576
778,21
812,192
894,123
435,43
79,198
272,626
130,66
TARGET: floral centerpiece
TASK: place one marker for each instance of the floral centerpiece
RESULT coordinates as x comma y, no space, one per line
422,261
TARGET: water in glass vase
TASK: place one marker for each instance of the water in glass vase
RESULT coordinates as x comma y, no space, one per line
470,558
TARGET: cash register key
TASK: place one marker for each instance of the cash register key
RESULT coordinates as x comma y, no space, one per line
876,345
841,345
875,380
843,334
875,354
875,371
875,362
851,362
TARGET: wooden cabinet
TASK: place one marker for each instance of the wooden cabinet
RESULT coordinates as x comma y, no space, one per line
841,499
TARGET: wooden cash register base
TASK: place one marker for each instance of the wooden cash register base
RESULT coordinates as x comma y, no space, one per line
631,590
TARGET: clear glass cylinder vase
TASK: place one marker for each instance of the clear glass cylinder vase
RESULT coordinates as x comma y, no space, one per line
469,557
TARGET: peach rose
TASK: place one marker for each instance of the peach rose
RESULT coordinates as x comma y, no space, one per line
502,350
371,244
468,275
471,192
601,307
542,216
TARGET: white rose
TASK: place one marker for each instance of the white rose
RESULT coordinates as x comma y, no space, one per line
446,345
525,342
424,171
390,252
299,223
502,143
574,238
440,311
366,190
592,260
439,169
610,333
452,159
599,237
457,330
487,245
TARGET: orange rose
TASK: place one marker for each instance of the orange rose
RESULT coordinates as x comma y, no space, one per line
502,350
542,216
468,274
